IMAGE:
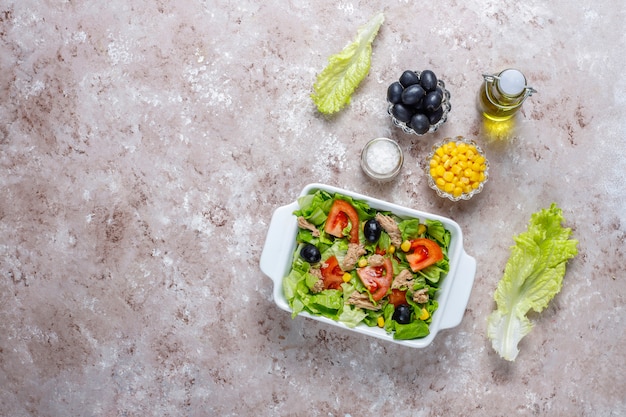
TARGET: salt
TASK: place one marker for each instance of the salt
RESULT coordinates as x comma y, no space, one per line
381,159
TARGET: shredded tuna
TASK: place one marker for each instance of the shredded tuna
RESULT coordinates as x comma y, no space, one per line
305,224
403,280
421,296
376,260
355,250
362,300
319,284
391,227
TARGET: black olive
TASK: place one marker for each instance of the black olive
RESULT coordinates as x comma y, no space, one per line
433,100
435,116
394,92
310,253
402,314
420,123
402,112
408,78
428,80
372,230
413,94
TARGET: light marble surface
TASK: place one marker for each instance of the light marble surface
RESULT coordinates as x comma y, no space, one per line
144,146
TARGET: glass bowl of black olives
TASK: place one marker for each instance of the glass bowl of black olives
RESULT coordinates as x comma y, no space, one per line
418,102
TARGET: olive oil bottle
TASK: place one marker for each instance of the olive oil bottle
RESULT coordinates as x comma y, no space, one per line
502,95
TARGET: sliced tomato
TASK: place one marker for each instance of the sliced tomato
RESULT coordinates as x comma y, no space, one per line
342,212
425,253
397,297
332,274
377,279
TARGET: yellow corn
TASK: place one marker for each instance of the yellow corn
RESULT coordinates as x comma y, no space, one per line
346,277
362,262
425,315
391,249
380,321
406,246
457,168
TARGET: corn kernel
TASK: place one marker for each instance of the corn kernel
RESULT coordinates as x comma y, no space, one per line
391,249
457,191
380,321
449,187
433,163
480,159
362,263
405,246
346,277
424,314
448,176
441,182
440,170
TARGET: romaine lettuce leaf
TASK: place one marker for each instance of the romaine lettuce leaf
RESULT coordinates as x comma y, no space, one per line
345,70
533,275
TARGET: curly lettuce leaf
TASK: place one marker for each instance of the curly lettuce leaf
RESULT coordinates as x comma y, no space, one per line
532,277
345,70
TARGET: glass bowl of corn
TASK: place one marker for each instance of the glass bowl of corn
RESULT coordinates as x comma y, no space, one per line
457,168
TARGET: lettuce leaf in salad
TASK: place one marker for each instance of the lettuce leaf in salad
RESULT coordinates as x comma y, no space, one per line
533,275
438,232
333,304
345,71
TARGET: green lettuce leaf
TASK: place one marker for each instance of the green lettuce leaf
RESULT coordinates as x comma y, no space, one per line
532,277
345,70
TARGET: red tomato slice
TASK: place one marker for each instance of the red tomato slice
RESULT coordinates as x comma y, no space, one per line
425,253
397,297
340,213
377,279
332,274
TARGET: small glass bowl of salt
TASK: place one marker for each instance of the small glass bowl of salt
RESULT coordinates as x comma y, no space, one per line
382,159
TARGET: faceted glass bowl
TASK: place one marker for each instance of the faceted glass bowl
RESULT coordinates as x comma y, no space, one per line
465,195
445,104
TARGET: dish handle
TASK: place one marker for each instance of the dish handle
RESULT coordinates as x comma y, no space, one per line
459,296
278,246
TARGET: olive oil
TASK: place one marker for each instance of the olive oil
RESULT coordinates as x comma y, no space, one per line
502,95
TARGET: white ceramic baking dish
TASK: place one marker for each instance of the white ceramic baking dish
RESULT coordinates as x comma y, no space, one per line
454,293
